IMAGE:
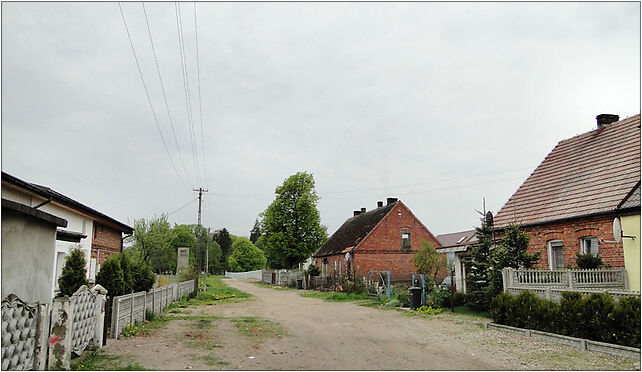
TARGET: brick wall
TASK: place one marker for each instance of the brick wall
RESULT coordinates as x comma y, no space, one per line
569,233
106,242
381,249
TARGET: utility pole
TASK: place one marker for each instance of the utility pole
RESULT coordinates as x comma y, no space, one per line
199,257
200,199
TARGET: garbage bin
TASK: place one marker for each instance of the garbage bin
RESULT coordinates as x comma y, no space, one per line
415,297
299,284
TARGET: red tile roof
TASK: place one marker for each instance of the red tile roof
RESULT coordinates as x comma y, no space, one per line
588,174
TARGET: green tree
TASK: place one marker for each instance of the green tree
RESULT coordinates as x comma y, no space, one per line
110,277
477,285
245,256
215,258
255,233
152,242
127,266
428,262
292,224
511,252
143,278
74,274
222,237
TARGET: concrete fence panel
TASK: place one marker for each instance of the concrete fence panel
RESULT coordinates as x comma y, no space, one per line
25,330
256,274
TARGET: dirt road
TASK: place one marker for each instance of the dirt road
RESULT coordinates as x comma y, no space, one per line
318,335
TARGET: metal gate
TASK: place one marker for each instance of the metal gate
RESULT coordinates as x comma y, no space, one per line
378,283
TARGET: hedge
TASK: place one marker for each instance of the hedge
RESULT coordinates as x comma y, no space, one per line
595,316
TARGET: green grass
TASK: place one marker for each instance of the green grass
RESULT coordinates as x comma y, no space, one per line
258,327
335,296
465,310
212,292
97,360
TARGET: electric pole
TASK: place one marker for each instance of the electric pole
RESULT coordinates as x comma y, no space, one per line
200,254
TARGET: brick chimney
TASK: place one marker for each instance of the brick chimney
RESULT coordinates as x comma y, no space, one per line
356,213
379,204
363,209
390,201
604,119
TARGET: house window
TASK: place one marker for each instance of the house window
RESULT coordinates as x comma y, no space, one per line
555,255
588,245
405,241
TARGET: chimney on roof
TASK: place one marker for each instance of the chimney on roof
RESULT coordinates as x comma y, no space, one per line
604,119
356,213
379,204
390,201
363,209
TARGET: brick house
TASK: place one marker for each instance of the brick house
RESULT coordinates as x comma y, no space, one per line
385,238
568,204
98,235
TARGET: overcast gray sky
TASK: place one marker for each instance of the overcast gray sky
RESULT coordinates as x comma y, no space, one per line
438,104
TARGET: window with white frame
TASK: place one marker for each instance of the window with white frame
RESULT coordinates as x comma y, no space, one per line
405,241
555,255
588,245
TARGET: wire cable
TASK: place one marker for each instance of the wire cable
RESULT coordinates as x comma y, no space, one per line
140,72
192,201
181,44
160,78
200,106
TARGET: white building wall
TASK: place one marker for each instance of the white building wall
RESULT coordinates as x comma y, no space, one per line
76,223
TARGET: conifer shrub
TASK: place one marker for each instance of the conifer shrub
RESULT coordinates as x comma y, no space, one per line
111,277
595,316
74,274
588,261
143,278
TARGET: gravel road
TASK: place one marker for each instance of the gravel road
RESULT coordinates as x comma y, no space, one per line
322,335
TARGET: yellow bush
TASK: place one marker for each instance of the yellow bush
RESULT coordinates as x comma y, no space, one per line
163,281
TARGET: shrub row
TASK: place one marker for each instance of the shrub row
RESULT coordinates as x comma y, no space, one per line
595,316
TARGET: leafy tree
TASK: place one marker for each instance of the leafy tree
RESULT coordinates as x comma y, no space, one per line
152,242
183,236
511,252
200,246
255,233
74,274
478,289
245,256
292,224
428,262
110,276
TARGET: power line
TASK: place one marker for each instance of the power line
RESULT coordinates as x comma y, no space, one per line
191,201
151,41
200,106
181,44
140,72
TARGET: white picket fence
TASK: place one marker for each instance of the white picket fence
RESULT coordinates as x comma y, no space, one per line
256,274
130,308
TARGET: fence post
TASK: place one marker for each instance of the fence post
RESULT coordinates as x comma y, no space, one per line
41,339
60,336
115,315
570,278
510,277
99,330
504,278
548,293
131,308
626,280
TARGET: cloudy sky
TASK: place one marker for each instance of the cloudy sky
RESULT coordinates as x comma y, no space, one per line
438,104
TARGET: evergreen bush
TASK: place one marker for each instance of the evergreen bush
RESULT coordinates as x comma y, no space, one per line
588,261
595,316
626,318
126,266
111,277
143,278
74,274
